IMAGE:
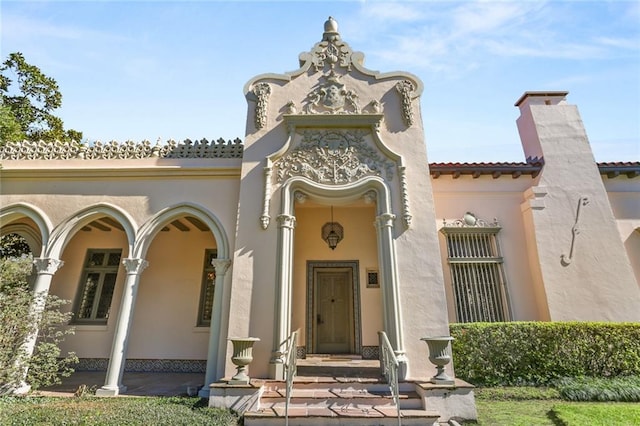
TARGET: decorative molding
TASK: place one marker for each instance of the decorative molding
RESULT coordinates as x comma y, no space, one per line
146,365
41,150
470,221
406,211
370,197
371,352
47,265
333,157
262,92
265,218
134,266
406,90
564,259
332,97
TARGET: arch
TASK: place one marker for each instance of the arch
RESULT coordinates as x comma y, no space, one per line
339,194
330,194
152,226
13,212
62,233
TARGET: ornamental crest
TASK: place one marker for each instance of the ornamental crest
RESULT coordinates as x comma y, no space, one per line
331,50
332,98
333,157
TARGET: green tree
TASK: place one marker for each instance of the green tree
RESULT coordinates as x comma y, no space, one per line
19,321
13,245
28,98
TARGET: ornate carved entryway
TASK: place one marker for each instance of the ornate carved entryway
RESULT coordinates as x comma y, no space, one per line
333,308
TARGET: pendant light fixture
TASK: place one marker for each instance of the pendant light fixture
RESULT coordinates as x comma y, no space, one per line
332,232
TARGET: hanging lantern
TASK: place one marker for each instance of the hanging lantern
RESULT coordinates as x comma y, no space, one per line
332,232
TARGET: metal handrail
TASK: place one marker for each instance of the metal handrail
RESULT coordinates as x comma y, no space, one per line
290,370
389,365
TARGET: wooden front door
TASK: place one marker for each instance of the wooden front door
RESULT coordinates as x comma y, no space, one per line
333,310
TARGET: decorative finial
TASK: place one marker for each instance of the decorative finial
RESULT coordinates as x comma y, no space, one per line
330,30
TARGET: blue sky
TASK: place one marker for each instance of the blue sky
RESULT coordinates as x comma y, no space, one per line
165,69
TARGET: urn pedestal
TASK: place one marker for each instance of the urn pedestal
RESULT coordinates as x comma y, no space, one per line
242,357
440,356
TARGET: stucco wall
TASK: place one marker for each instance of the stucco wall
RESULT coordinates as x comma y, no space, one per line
490,199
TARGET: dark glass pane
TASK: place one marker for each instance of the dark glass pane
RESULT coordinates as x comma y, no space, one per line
207,306
95,259
88,295
105,298
114,259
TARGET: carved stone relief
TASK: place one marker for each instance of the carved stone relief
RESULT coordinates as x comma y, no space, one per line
262,92
332,97
333,157
405,89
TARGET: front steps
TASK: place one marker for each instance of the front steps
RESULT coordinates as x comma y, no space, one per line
338,401
345,392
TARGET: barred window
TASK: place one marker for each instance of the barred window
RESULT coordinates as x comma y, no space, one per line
476,267
208,287
93,302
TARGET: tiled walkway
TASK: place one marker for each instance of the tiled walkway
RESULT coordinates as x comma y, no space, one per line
138,384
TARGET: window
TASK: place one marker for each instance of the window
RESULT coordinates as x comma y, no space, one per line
96,287
476,267
208,287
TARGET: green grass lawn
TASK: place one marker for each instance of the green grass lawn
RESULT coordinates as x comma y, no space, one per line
543,406
89,411
496,406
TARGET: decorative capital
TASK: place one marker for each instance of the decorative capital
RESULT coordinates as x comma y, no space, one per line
134,266
286,221
221,266
47,265
385,220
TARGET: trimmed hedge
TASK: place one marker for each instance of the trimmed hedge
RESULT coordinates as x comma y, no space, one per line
537,353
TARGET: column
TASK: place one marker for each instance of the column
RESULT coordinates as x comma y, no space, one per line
286,226
391,298
216,338
113,383
45,269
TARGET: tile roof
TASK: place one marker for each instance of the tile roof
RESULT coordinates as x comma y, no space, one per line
531,167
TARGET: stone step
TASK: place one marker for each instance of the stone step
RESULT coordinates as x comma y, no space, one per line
341,415
339,397
332,367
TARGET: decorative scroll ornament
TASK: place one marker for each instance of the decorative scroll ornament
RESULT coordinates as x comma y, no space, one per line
332,98
564,259
469,220
406,89
41,150
262,92
331,50
333,157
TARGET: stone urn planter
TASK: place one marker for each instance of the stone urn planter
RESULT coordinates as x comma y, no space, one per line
241,358
440,356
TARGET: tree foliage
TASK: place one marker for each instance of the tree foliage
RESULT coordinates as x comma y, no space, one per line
19,321
29,98
13,245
